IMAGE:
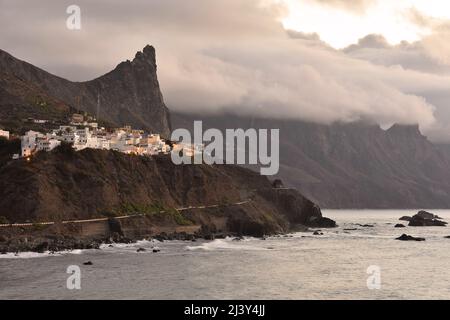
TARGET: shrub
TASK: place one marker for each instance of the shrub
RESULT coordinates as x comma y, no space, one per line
176,216
224,202
65,148
39,227
155,209
3,220
130,208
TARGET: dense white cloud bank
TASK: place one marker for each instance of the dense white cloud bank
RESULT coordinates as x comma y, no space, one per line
216,55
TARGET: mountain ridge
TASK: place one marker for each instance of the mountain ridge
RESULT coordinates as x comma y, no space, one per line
352,165
127,95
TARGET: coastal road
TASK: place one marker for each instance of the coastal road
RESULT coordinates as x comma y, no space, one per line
120,217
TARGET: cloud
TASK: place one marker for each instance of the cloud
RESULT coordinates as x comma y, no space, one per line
375,41
314,36
288,80
356,6
216,55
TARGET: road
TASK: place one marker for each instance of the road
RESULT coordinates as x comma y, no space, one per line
120,217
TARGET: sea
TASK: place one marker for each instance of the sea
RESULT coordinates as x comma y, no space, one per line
358,260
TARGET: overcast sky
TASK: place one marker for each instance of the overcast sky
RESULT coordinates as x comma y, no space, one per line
320,60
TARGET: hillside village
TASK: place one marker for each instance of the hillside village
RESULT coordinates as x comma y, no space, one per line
83,132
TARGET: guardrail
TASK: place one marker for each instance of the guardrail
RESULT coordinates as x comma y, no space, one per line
30,224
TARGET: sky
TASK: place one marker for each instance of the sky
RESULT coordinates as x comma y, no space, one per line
315,60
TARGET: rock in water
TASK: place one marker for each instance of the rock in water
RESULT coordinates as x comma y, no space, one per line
424,219
405,237
426,215
399,225
418,221
88,263
322,222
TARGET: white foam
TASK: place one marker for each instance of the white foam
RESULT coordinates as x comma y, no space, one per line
227,244
31,255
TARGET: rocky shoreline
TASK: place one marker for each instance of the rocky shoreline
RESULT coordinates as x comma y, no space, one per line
59,243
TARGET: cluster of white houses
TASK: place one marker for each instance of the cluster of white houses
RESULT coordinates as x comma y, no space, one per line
124,140
82,134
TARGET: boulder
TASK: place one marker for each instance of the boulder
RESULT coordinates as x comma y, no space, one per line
426,215
41,247
405,218
277,184
88,263
399,225
318,233
425,219
418,221
209,236
405,237
321,222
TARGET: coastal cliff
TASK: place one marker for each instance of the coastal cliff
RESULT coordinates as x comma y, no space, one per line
156,196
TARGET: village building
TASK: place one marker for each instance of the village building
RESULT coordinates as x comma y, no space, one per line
89,135
77,118
4,133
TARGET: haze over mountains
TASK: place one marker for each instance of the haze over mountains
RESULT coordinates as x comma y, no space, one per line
355,165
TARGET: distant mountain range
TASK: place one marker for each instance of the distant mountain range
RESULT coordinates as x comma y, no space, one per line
354,165
129,94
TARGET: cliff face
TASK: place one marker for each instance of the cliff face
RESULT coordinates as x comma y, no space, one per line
355,165
67,185
129,95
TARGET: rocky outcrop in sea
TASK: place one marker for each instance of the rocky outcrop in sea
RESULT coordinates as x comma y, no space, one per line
424,219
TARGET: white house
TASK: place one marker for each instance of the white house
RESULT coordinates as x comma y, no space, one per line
104,143
29,142
4,133
47,144
41,121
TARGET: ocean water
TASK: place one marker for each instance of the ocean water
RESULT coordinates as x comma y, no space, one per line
300,266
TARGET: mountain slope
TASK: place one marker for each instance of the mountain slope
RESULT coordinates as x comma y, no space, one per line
353,165
128,95
67,185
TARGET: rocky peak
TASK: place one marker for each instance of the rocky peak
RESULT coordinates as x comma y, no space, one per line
145,59
128,95
405,130
133,89
147,54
